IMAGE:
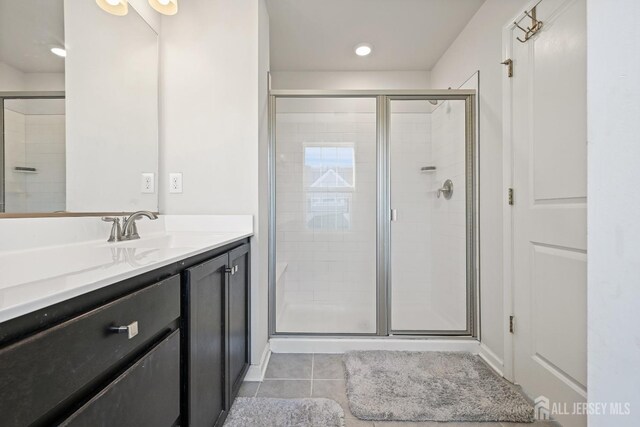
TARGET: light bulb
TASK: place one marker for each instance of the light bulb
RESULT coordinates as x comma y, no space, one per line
114,7
166,7
363,49
59,51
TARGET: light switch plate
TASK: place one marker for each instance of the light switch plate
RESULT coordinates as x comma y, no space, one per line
148,184
175,182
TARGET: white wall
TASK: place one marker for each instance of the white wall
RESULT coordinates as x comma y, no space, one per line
112,109
479,47
614,207
260,251
339,80
12,79
213,119
151,17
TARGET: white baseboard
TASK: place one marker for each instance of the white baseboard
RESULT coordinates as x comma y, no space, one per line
256,372
341,345
492,359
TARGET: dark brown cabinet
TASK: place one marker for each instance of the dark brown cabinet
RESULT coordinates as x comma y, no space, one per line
145,395
169,347
41,374
216,330
239,318
204,326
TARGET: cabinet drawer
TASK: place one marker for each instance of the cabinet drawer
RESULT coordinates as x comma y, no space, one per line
45,372
147,394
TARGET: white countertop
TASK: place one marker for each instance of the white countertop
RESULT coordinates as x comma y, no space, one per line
37,277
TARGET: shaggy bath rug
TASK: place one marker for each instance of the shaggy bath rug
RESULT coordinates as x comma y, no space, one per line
430,386
268,412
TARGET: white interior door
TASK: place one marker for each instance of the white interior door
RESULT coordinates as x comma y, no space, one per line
549,148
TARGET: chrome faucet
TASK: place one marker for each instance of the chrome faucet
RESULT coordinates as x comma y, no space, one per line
129,231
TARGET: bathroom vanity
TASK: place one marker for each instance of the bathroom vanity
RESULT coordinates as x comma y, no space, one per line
157,337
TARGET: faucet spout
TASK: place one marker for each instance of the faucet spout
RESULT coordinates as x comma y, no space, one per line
129,229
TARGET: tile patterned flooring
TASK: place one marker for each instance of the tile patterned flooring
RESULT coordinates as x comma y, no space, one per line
322,375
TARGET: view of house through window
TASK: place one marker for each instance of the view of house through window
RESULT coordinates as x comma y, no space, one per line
329,177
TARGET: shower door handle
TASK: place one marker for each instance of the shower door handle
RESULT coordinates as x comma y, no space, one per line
394,214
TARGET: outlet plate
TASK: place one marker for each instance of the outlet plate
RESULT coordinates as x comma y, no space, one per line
175,182
148,185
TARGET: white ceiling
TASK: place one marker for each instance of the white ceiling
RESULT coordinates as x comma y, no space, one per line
28,30
405,34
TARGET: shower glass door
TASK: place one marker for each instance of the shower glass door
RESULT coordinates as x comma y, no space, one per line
324,159
429,161
372,226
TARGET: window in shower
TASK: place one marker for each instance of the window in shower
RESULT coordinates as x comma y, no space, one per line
329,176
325,191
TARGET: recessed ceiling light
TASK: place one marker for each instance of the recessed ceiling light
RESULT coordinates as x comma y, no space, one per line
59,51
363,49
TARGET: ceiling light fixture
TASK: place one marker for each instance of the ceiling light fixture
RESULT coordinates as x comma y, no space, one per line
59,51
166,7
114,7
363,49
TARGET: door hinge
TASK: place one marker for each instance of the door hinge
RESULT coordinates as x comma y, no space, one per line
511,328
510,196
509,64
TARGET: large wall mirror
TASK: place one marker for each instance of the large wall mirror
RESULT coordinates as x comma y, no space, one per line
79,109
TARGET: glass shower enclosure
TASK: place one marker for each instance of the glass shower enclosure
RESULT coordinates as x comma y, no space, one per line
373,213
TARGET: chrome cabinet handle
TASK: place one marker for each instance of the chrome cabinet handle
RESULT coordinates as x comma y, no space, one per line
131,329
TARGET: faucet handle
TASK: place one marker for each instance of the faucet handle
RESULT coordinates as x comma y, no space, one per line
116,231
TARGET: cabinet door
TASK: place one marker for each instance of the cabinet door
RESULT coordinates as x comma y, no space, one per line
238,315
146,394
203,307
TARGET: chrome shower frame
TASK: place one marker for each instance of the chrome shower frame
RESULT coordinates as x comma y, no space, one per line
383,235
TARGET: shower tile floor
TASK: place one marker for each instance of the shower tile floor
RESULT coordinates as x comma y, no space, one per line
322,375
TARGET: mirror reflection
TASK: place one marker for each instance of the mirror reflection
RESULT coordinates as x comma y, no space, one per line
78,108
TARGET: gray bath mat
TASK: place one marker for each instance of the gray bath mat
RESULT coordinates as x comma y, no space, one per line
268,412
430,386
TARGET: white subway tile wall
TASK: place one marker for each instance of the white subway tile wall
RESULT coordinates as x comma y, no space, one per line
448,240
412,195
428,240
35,140
15,184
326,215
